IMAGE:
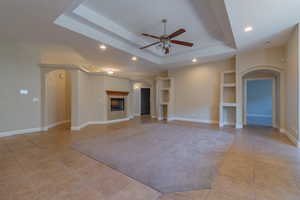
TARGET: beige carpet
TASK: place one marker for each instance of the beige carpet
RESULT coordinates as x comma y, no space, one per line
166,157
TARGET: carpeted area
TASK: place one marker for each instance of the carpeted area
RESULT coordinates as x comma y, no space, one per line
167,157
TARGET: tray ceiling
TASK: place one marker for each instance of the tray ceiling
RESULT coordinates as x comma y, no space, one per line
120,23
70,31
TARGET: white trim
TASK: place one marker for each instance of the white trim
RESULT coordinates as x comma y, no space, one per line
109,121
153,116
238,126
18,132
291,137
259,115
280,85
55,124
77,128
136,114
193,120
245,102
274,102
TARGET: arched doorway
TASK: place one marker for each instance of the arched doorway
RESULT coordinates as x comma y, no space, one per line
262,72
56,97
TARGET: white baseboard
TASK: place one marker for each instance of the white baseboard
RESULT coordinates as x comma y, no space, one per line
153,116
18,132
77,128
229,124
291,137
238,126
193,120
55,124
136,114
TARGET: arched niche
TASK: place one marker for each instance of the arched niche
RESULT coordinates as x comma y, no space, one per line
46,70
279,87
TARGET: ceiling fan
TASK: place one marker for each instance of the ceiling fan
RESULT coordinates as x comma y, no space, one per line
166,40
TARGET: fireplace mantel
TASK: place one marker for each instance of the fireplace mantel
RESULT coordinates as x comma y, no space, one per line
116,93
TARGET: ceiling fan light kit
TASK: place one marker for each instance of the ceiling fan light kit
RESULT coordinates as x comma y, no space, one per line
165,40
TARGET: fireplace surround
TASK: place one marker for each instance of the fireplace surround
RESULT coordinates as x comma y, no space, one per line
117,105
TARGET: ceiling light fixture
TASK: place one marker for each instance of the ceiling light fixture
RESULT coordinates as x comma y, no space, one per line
194,60
134,58
248,29
110,72
102,47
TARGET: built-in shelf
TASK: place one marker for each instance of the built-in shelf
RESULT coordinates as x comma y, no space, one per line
164,103
165,96
227,114
228,85
228,104
229,72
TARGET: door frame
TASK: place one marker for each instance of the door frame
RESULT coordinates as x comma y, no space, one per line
140,100
274,103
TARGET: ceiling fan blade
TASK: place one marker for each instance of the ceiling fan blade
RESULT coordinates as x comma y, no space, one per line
182,43
176,33
149,45
152,36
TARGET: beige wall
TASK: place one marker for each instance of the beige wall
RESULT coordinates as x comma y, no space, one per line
84,97
19,70
292,84
97,98
260,57
92,99
58,97
197,90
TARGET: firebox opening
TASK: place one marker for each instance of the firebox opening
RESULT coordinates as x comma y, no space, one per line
117,104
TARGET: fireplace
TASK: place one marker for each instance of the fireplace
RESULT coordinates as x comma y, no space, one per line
117,104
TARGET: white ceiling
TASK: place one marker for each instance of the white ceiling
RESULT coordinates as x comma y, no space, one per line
215,26
195,16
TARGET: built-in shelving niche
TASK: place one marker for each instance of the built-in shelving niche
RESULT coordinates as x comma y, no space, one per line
227,114
229,77
163,112
229,95
164,93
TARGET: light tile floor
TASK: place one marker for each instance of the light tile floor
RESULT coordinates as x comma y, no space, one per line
261,164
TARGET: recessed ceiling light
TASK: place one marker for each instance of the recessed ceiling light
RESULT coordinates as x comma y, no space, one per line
248,29
134,58
194,60
110,72
102,47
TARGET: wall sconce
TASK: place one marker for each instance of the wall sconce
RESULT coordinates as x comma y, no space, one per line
136,87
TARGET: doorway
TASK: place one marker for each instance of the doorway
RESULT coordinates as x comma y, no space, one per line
145,101
56,98
260,101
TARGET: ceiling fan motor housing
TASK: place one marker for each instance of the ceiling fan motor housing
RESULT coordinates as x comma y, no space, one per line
166,40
